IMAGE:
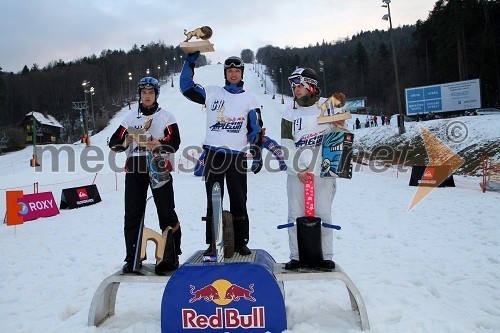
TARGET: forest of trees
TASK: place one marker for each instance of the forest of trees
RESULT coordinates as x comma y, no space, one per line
54,88
458,41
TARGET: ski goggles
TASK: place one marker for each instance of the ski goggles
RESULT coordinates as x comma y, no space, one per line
296,80
148,83
233,63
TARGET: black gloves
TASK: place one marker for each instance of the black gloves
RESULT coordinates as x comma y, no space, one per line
257,160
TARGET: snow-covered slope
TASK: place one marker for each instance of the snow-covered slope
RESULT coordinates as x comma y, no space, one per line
432,269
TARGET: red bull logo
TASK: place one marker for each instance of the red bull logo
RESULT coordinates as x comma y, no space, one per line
207,293
224,298
223,292
231,292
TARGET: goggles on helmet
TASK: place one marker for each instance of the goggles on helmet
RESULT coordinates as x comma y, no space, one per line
234,62
296,80
148,83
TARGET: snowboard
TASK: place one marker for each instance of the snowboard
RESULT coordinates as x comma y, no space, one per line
158,172
309,234
217,242
310,269
137,257
309,230
337,155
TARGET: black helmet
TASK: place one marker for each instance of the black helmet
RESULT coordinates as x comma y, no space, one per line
149,83
234,62
306,77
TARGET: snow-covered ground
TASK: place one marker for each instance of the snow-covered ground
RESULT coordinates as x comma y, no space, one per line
435,268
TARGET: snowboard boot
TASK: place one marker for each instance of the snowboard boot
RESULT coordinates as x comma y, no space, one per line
167,266
328,265
128,268
240,227
209,251
177,233
170,260
208,235
292,265
243,250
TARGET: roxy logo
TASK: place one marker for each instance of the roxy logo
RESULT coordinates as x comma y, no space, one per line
36,205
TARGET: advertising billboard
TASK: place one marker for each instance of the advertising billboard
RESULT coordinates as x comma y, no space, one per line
452,96
28,207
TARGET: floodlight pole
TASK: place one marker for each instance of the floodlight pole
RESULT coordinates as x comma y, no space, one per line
282,99
401,125
322,69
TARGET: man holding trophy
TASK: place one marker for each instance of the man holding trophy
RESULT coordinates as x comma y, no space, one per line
303,136
233,120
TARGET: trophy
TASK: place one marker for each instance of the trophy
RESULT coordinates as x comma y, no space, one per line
337,100
159,173
140,134
204,45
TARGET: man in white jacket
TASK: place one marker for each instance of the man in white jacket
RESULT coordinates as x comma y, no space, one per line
301,138
233,128
165,137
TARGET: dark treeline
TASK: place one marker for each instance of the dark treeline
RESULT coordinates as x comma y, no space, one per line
53,89
458,41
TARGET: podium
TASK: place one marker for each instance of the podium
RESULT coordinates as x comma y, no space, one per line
240,293
244,293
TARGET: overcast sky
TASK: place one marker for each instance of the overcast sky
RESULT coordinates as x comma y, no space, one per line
40,31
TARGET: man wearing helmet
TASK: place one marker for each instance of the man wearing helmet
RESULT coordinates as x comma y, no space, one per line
165,138
233,119
302,136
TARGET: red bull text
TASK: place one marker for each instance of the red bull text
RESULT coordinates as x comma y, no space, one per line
228,318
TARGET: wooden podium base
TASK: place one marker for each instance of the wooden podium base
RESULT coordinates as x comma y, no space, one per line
334,117
202,46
